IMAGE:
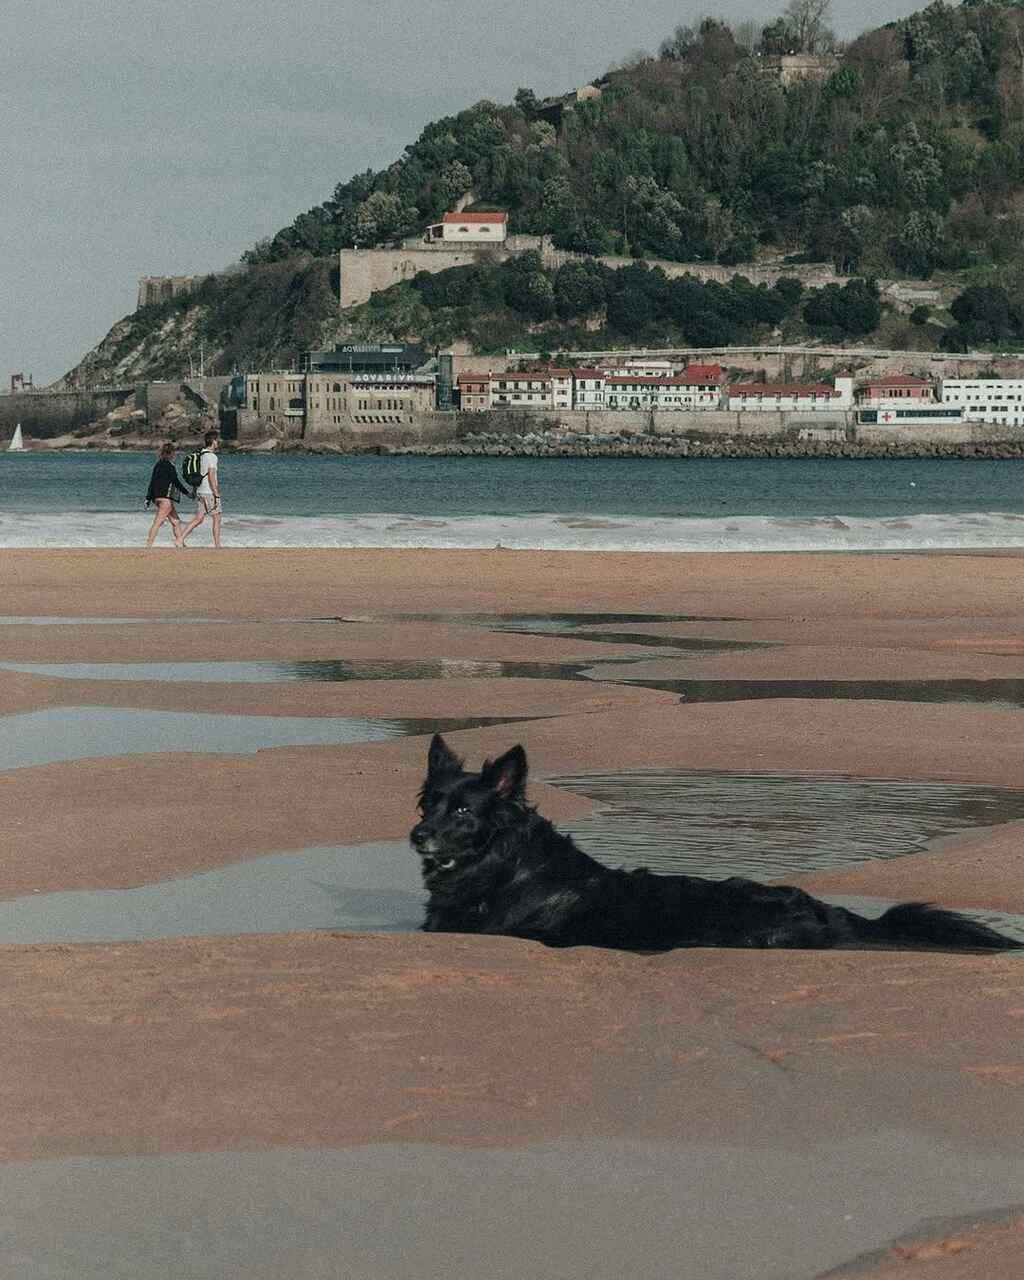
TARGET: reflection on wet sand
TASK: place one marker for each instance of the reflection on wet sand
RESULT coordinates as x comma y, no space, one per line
72,733
1003,692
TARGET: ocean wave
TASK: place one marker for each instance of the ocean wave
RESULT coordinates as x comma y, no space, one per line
548,532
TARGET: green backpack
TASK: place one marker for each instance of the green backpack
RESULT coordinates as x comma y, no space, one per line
192,469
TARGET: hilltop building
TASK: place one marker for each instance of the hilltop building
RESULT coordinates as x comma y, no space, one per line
469,228
154,289
791,67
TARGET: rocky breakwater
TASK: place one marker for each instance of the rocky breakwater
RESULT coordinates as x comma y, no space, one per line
574,445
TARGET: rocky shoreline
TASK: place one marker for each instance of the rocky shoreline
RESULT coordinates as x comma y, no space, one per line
551,445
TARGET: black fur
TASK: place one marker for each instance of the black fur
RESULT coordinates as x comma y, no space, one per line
492,864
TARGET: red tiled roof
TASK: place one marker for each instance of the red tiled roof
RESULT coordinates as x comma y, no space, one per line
520,377
475,217
895,380
704,370
664,380
782,389
473,377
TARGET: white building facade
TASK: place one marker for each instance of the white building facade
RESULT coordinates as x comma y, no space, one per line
997,400
679,392
588,389
521,390
469,228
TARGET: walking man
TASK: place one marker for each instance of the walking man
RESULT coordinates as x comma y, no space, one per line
208,492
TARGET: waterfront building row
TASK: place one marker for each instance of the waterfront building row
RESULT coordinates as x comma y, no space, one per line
324,400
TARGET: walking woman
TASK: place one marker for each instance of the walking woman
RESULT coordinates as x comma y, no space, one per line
164,484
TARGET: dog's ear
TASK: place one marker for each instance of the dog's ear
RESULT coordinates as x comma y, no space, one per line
441,758
507,775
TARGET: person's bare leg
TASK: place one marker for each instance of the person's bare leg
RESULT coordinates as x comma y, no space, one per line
162,512
216,528
194,523
175,526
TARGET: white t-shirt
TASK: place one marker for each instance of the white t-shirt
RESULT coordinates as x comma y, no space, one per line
207,463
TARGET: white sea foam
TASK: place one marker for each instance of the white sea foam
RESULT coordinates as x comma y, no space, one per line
541,532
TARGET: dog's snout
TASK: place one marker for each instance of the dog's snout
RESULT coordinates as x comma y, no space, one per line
421,837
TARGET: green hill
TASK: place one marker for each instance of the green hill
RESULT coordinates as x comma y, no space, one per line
905,159
908,158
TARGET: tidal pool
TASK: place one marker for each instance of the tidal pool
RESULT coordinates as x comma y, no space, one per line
768,825
629,671
61,733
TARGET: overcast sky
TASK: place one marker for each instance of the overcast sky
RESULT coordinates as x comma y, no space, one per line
156,138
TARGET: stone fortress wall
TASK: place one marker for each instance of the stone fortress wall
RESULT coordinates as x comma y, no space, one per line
365,271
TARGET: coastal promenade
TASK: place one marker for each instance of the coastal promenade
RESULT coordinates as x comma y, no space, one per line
257,1068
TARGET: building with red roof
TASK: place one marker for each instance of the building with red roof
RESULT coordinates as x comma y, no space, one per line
474,391
672,391
776,397
470,228
895,386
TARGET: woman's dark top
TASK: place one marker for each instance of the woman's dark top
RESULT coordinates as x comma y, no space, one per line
164,481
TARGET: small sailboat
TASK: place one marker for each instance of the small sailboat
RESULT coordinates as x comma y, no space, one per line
17,444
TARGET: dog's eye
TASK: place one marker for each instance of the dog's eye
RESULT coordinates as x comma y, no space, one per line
447,865
461,811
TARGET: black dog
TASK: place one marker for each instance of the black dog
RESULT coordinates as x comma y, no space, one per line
492,864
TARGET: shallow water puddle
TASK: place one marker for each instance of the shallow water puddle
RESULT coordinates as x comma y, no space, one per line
765,826
71,733
1009,693
177,620
548,623
370,887
329,670
769,825
372,1211
1004,692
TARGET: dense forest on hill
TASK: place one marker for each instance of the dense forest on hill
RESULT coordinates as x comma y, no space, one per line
906,159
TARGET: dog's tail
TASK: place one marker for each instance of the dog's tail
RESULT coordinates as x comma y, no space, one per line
925,925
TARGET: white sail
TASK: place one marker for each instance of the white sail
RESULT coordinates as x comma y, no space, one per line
16,441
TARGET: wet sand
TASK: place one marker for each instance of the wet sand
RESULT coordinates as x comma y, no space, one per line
789,1086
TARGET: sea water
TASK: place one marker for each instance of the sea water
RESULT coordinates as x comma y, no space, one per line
95,499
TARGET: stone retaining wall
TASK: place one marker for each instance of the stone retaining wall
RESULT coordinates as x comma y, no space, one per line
366,271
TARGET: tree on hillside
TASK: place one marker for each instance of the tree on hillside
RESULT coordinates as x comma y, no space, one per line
808,22
984,313
801,28
383,216
853,309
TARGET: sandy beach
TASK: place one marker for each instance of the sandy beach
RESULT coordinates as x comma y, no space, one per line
782,1115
